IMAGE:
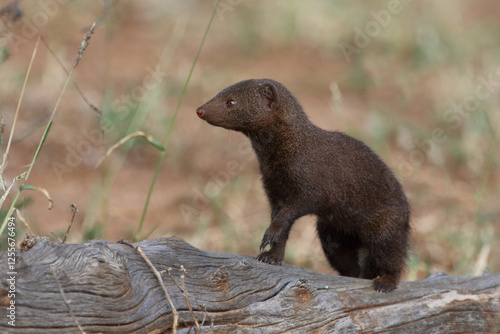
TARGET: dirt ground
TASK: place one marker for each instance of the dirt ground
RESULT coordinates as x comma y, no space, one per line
396,87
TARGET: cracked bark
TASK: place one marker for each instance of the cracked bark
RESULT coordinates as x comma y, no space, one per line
109,288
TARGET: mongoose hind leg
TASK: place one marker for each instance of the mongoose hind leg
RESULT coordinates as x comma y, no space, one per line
341,249
385,261
385,279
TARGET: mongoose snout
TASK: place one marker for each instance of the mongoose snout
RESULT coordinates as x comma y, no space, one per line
200,112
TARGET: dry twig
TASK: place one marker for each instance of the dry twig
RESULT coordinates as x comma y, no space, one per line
160,280
183,290
64,298
74,209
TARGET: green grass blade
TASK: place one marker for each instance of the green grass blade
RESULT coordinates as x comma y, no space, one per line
9,213
171,126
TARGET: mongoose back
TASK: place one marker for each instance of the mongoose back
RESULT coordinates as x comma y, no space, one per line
362,212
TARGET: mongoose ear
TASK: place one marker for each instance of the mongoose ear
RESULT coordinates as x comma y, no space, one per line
269,96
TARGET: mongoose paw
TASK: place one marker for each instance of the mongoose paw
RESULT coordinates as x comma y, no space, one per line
269,239
267,257
385,283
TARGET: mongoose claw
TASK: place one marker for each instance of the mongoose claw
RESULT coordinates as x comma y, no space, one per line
266,257
385,283
265,242
269,239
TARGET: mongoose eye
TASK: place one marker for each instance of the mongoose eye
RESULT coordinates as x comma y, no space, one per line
230,103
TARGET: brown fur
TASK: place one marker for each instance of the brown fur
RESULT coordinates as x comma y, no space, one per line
363,214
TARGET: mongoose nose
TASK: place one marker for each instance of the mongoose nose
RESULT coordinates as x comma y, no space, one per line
200,112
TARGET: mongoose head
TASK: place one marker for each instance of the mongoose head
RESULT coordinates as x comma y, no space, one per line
245,106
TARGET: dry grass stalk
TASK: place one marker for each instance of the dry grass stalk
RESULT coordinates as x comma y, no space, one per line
122,141
183,290
74,210
160,280
23,90
65,300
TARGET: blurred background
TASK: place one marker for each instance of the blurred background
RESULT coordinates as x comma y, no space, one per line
418,81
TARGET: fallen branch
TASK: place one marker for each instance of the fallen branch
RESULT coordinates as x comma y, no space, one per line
112,288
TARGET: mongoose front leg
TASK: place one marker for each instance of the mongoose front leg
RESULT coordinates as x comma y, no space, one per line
276,237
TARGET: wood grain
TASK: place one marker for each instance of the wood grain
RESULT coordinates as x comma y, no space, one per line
110,289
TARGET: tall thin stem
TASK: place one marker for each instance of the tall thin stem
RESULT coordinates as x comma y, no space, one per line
171,125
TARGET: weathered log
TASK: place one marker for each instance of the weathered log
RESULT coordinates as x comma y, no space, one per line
103,287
